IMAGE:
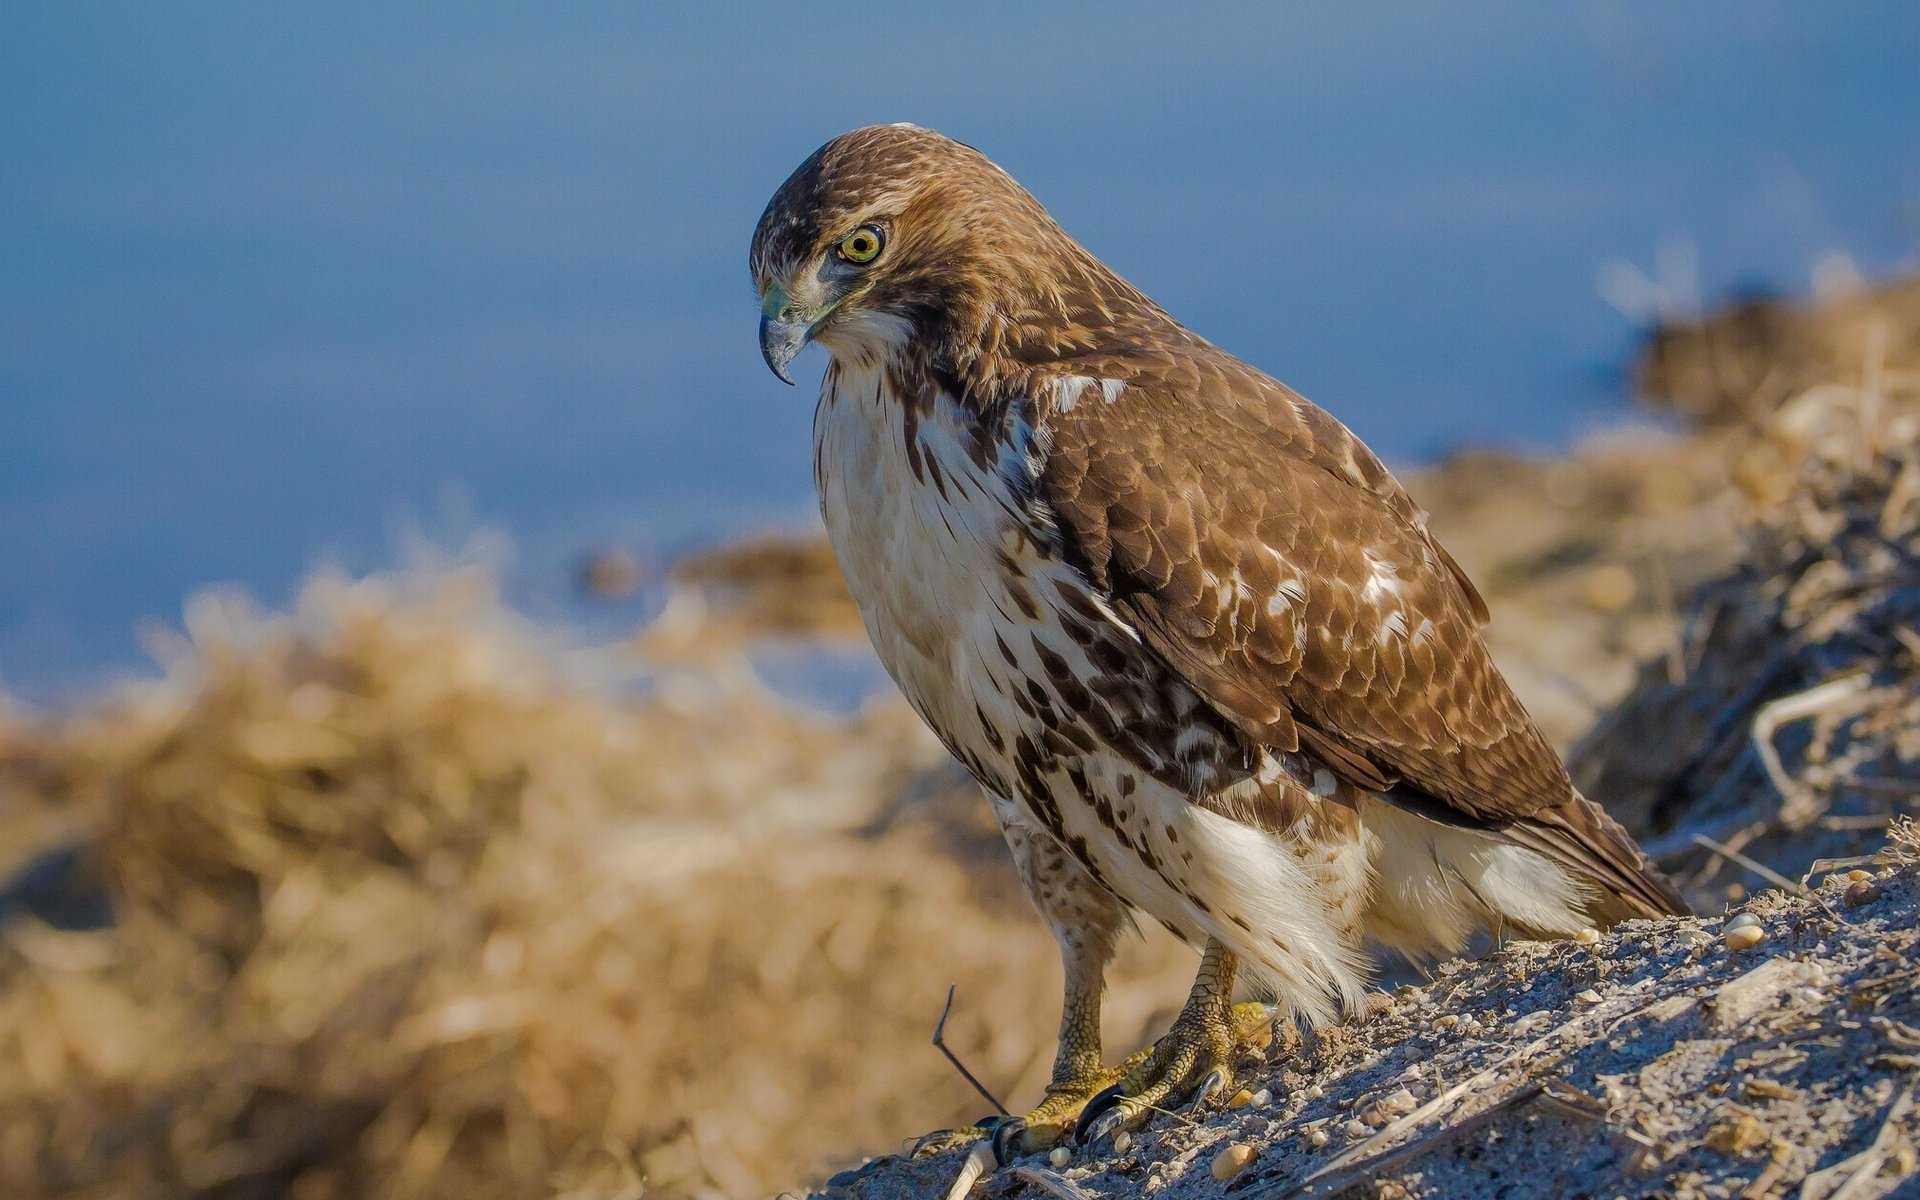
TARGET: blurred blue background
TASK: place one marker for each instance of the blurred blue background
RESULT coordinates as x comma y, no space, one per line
276,279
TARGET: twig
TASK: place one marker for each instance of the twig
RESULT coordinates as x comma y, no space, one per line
1552,1094
978,1161
1447,1099
1758,868
1049,1182
1860,1170
1827,866
1844,696
940,1043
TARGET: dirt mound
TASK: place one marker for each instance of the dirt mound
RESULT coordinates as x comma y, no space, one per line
1657,1061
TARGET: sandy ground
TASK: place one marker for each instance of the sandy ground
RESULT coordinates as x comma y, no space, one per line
1654,1062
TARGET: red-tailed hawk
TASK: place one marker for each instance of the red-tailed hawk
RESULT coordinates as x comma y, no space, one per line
1192,638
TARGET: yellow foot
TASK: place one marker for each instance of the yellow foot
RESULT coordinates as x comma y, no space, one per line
1194,1062
1042,1129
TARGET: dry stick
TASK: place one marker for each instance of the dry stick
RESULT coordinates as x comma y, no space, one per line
1862,1167
940,1043
1772,876
1843,696
1552,1093
1758,868
1050,1183
1447,1098
978,1162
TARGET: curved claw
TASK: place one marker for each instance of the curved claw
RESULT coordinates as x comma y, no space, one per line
1214,1083
942,1140
937,1142
1105,1101
1005,1133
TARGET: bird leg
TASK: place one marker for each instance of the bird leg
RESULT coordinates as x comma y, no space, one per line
1193,1061
1078,1074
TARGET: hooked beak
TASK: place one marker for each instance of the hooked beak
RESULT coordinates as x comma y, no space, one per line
783,332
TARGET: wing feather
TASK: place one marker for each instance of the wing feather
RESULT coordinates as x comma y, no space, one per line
1267,556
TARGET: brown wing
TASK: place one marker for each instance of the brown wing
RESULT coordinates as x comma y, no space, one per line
1270,558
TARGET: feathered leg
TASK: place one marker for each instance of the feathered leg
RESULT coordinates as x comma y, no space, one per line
1086,920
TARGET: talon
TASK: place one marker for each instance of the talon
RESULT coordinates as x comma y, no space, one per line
1212,1085
1104,1101
1005,1132
940,1141
1103,1127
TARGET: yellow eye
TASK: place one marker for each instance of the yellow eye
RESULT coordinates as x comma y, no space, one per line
863,244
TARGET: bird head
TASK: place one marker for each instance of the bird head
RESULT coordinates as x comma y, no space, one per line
888,234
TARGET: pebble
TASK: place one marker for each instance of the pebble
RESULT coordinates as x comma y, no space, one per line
1060,1156
1399,1104
1856,875
1232,1161
1317,1137
1812,974
1587,937
1240,1099
1357,1129
1861,891
1588,997
1263,1097
1743,932
1315,1092
1446,1022
1533,1022
1122,1142
1737,1136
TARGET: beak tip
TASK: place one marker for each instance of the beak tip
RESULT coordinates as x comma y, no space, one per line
779,342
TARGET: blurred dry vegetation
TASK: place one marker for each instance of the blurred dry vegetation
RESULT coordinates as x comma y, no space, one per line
399,895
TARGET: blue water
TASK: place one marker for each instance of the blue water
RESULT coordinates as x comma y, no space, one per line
277,280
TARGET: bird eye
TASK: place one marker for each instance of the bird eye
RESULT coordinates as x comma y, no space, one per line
863,244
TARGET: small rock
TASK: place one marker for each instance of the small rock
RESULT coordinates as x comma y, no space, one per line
1263,1097
1446,1022
1232,1161
1611,587
1122,1142
1856,875
1812,974
1743,932
1315,1092
1587,937
1391,1107
1768,1089
1357,1129
1240,1099
1060,1156
1533,1022
1588,997
1860,892
1736,1136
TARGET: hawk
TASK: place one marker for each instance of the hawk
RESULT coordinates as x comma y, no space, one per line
1195,642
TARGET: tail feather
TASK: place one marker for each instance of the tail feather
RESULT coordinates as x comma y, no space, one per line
1583,837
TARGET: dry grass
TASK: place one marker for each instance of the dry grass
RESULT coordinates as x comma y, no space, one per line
1786,723
403,908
